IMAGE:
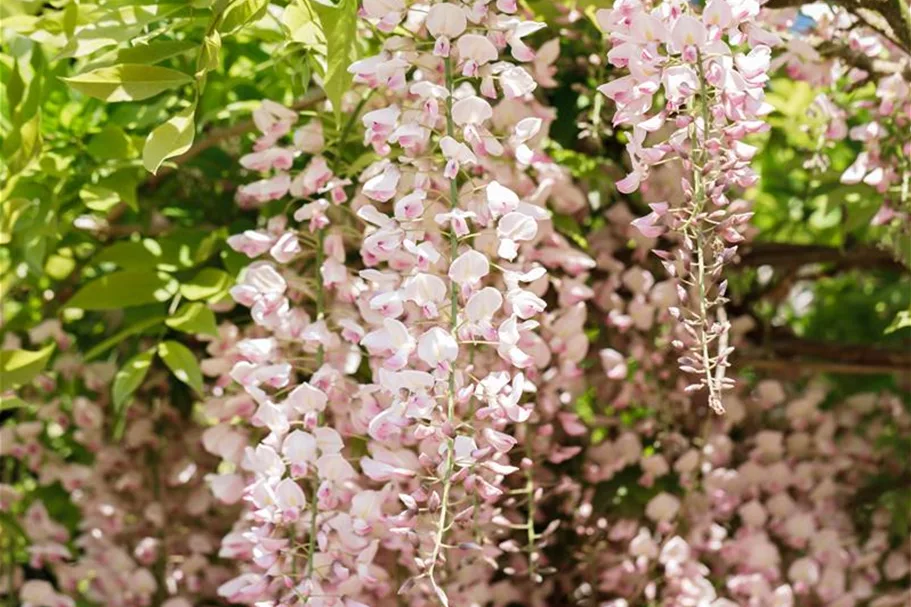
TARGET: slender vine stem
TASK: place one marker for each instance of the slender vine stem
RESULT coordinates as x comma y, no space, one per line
453,325
320,315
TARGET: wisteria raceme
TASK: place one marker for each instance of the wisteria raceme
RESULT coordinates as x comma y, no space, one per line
712,94
306,531
451,318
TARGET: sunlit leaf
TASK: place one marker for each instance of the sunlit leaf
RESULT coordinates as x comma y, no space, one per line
19,367
194,318
181,361
127,82
170,139
126,382
124,289
339,25
209,283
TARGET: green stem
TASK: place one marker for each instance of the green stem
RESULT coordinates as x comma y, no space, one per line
530,522
320,315
453,325
700,200
320,356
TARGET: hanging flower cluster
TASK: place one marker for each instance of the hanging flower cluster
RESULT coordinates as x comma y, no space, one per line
711,96
452,314
307,525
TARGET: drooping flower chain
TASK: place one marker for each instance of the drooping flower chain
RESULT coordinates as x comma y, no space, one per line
301,546
440,311
713,97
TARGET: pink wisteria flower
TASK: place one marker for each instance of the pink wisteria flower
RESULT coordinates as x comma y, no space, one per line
710,70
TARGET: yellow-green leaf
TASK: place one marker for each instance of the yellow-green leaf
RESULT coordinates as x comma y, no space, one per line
194,318
127,82
170,139
209,57
112,143
241,12
303,25
10,209
18,367
182,363
155,52
124,289
126,382
130,376
339,24
209,283
98,198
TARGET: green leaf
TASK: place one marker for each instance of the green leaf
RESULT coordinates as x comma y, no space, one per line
170,139
13,402
98,198
239,13
12,526
303,25
209,283
93,39
15,87
119,336
10,210
178,251
901,321
126,381
340,29
194,318
124,182
127,82
112,143
124,289
18,367
155,52
182,363
209,57
24,144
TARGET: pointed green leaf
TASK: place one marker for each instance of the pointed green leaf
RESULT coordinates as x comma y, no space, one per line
194,318
901,321
10,210
127,82
130,376
339,24
124,289
209,283
112,143
118,337
241,12
303,25
155,52
98,198
170,139
182,363
18,367
126,381
209,57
